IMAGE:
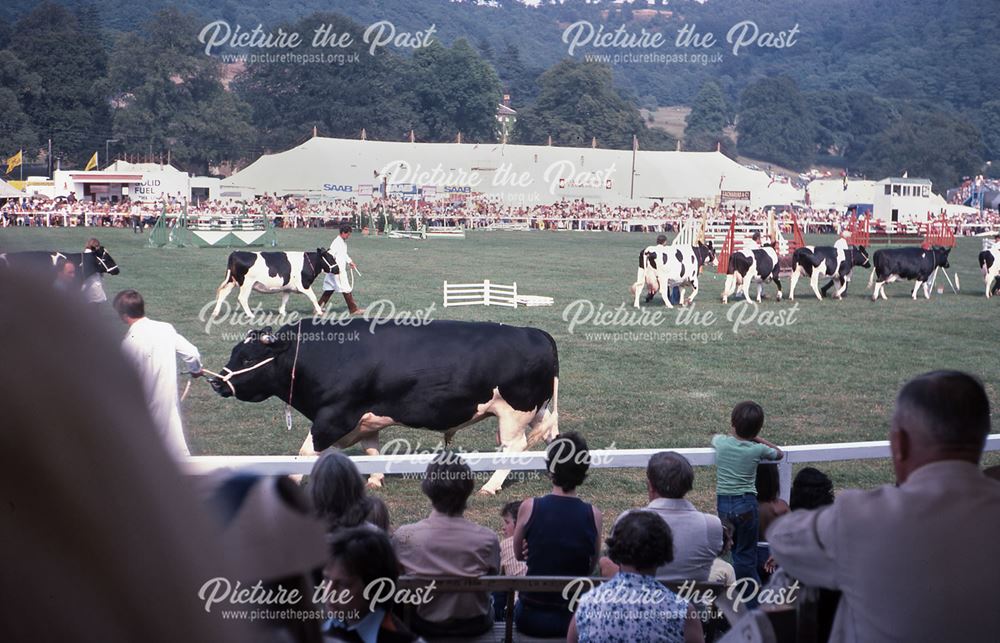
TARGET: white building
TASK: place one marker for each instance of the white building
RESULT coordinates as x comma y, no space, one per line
905,200
137,181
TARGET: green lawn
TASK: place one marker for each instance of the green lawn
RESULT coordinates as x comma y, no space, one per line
829,376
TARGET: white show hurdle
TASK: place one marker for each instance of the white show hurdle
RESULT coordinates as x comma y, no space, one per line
488,293
445,232
481,294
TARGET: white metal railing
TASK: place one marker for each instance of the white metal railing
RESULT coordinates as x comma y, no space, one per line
535,460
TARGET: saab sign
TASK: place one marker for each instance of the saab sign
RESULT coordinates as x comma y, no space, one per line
337,187
458,189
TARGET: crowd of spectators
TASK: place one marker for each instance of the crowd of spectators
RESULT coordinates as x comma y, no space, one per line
381,213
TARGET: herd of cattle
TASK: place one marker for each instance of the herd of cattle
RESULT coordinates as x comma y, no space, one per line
446,375
662,267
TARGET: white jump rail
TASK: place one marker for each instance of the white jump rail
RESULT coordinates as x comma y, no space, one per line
275,465
480,294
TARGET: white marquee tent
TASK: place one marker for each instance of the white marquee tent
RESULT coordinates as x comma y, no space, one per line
517,174
8,191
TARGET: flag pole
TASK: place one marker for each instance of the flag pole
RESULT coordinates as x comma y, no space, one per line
635,146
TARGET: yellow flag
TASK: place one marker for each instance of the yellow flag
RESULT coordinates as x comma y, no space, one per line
14,161
92,163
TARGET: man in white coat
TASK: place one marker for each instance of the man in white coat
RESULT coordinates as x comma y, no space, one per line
340,282
93,288
153,347
915,561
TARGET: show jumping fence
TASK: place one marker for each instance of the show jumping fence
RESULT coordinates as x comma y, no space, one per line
411,463
482,294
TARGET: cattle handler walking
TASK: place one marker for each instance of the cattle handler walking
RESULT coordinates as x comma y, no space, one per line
341,282
153,347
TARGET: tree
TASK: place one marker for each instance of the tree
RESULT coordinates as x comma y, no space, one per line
372,92
71,63
19,86
577,102
169,96
708,118
937,145
456,91
519,80
775,124
989,124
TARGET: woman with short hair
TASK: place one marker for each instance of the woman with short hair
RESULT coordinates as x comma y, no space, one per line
639,543
561,533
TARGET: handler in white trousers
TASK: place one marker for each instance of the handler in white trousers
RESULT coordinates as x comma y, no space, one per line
153,347
340,282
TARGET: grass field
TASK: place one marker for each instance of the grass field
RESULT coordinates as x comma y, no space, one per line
829,375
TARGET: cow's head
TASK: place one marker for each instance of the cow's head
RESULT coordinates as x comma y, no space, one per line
105,262
705,253
254,373
326,261
941,256
859,257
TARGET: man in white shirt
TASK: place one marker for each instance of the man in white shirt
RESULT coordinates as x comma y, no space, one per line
153,347
340,282
915,560
93,286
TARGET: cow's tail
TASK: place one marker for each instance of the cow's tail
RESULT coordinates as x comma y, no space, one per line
547,427
229,276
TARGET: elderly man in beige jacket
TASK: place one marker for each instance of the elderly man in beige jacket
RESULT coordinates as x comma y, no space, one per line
916,561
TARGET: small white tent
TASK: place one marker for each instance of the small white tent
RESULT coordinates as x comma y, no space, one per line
8,191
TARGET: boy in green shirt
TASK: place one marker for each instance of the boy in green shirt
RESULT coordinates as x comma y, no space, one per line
736,459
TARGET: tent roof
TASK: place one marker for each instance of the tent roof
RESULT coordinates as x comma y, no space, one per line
514,173
7,191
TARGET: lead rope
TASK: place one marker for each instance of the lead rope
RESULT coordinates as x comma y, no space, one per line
291,385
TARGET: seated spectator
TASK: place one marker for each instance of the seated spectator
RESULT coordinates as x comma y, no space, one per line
769,507
912,559
358,558
557,535
722,570
811,489
640,542
697,536
446,544
378,514
338,492
509,564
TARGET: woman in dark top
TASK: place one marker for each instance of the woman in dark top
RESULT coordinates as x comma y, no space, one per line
769,508
557,535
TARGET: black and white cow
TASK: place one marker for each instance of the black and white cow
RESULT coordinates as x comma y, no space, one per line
746,266
917,264
989,263
826,261
663,266
270,272
52,261
355,379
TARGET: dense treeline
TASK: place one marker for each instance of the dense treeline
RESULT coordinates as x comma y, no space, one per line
876,86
